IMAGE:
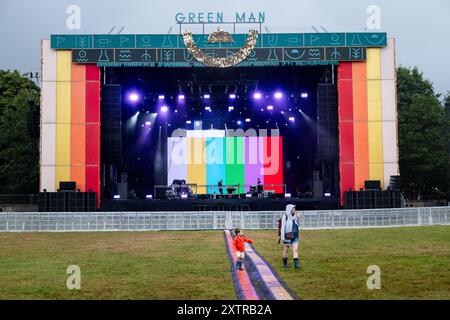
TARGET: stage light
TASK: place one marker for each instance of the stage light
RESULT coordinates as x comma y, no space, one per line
287,195
304,95
239,122
257,95
148,123
164,109
248,195
116,196
208,109
149,196
181,97
206,96
278,95
230,108
133,97
198,123
247,120
184,196
188,122
327,194
161,97
269,107
232,96
291,119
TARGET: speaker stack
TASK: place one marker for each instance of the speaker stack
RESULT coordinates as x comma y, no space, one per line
67,200
373,198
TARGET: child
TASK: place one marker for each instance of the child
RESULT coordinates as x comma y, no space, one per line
239,246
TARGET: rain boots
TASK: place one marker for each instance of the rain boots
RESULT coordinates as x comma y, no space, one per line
296,263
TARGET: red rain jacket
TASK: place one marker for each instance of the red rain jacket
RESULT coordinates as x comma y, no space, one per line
239,243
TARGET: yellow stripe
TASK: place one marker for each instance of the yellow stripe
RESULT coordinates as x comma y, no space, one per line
196,168
374,63
63,65
62,174
374,100
63,105
374,115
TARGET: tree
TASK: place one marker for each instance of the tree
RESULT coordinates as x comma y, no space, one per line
422,137
447,120
19,153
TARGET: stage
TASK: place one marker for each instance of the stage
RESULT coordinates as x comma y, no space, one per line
247,204
316,116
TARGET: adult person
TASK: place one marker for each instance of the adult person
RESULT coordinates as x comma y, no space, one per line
290,235
220,185
260,186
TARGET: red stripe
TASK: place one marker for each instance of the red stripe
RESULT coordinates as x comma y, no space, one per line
92,179
92,73
273,163
346,138
92,144
93,102
93,130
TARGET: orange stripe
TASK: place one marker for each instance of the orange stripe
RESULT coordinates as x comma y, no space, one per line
77,127
360,126
78,72
359,91
77,145
77,174
77,112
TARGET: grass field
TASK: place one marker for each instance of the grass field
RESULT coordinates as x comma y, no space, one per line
150,265
414,262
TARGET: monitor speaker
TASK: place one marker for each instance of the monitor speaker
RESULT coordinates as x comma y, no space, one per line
67,186
372,184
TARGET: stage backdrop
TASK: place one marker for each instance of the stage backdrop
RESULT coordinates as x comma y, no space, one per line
204,157
368,119
70,110
70,121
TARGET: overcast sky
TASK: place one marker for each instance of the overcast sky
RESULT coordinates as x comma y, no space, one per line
421,28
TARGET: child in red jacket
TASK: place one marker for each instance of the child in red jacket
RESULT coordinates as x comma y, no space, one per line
239,247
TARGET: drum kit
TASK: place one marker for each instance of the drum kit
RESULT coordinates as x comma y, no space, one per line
181,190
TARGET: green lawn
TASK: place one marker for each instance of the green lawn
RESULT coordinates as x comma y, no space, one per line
414,262
150,265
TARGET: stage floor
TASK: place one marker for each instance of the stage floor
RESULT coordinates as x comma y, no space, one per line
247,204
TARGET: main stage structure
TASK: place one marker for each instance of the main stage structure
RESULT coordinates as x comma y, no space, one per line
72,66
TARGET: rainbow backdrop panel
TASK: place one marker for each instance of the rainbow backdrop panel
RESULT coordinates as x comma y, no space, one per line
70,122
368,119
204,157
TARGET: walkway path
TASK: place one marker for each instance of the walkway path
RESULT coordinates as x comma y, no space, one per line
259,280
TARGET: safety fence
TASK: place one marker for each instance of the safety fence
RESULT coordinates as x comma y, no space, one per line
217,220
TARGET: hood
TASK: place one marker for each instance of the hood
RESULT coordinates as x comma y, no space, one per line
289,208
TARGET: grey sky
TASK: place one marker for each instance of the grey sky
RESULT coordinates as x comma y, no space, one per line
421,28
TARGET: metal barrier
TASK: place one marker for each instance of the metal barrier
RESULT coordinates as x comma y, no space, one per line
217,220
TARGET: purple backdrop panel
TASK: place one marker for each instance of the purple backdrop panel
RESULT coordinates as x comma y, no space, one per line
253,164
